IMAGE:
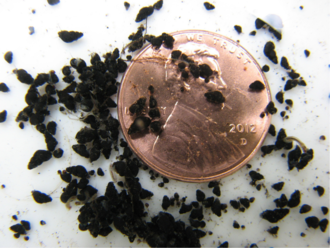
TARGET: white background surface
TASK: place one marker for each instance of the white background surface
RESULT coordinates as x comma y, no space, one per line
106,25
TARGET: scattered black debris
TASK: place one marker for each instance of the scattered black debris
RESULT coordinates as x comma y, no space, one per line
14,217
241,209
267,149
280,97
323,224
257,86
208,6
185,208
214,97
26,225
253,33
255,176
305,209
235,204
307,53
290,84
294,200
18,228
302,234
322,137
42,222
278,186
319,189
325,210
158,5
127,5
281,202
216,207
282,114
293,75
166,202
70,36
245,202
271,108
40,197
26,238
273,216
273,230
285,63
224,244
144,13
253,245
140,124
38,158
100,172
238,29
58,153
3,87
78,171
53,2
269,51
9,57
161,184
3,116
51,127
312,221
259,23
289,102
258,187
138,106
280,141
24,77
272,130
236,225
265,68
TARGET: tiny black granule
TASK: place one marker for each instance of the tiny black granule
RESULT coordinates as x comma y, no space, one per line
78,171
151,89
278,186
235,204
265,68
238,29
273,230
81,150
289,102
50,141
9,57
58,153
269,51
267,149
18,228
42,222
14,217
216,190
185,74
140,124
161,184
168,40
312,221
214,97
155,127
276,33
254,245
282,114
216,207
38,158
323,224
144,13
285,63
185,208
322,137
293,75
154,113
281,202
275,215
51,127
307,53
241,209
258,187
290,84
255,176
304,159
236,225
127,5
325,210
224,244
245,202
279,96
158,5
176,54
100,172
53,2
249,166
253,33
26,238
302,234
252,199
208,6
166,202
40,197
272,130
200,196
69,36
271,108
305,209
23,76
65,176
294,200
319,189
257,86
3,87
259,23
293,157
197,213
279,143
3,116
26,225
212,184
138,106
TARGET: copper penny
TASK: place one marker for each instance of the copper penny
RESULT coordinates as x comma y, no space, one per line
200,140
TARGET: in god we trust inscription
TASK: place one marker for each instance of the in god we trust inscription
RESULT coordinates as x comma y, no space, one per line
200,140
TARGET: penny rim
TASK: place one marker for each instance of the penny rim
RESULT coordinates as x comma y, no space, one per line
145,69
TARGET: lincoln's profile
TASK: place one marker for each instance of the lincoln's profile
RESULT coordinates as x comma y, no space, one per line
190,138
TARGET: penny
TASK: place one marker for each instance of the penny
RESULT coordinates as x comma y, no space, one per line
200,140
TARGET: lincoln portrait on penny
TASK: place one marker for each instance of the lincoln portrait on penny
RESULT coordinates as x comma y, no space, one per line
191,139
